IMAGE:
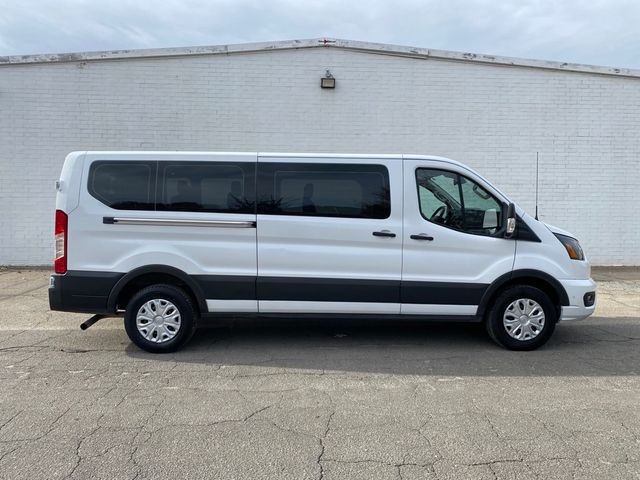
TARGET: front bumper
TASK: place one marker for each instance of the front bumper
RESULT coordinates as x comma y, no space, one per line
576,290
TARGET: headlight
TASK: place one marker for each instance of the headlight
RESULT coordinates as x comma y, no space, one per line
572,245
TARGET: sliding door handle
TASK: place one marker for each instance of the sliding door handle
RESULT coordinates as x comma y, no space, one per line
422,236
384,233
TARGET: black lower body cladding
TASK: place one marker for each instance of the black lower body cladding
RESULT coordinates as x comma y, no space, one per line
82,291
89,291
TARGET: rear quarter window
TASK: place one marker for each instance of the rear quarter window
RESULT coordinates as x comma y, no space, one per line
123,185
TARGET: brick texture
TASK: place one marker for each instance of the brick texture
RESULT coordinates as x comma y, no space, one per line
494,118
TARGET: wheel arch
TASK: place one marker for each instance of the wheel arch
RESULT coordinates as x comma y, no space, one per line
142,277
534,278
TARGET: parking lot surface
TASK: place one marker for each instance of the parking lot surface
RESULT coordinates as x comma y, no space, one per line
258,399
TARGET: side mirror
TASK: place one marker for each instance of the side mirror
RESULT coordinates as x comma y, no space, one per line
511,221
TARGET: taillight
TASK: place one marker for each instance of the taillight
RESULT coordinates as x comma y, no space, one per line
60,262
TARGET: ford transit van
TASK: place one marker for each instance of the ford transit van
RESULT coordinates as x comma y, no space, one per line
166,239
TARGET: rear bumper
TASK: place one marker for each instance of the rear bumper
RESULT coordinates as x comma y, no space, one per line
85,292
576,290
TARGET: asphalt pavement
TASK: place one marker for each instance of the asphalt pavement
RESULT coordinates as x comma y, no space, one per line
274,399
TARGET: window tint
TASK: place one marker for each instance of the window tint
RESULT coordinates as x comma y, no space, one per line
206,187
123,185
222,187
325,190
456,202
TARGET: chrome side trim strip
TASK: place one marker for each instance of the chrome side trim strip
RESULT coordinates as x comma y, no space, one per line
286,306
232,306
175,222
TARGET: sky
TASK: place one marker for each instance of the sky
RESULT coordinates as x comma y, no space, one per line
594,32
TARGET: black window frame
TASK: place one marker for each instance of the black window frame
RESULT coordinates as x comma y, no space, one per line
498,233
266,186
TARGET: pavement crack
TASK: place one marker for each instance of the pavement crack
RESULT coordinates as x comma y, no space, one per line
134,450
322,447
420,432
22,347
251,415
10,419
51,426
380,462
8,452
496,462
78,459
493,428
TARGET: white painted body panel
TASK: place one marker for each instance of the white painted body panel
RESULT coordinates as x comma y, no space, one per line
95,246
551,257
452,256
69,183
575,291
326,247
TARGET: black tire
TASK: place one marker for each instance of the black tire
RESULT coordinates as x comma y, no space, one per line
497,330
188,317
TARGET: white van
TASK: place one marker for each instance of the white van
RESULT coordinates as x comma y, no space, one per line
168,238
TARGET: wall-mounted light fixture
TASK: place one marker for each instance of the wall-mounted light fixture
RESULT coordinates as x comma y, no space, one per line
328,81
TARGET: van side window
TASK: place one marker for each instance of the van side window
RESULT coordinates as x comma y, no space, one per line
222,187
324,190
454,201
123,185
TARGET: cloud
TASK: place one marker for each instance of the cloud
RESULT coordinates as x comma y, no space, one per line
597,32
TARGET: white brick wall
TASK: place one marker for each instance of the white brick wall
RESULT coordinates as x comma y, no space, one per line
585,126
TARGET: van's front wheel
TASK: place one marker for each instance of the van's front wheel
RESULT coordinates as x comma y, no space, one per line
160,318
522,318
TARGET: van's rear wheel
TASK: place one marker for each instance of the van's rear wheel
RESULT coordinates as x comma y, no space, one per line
522,318
160,318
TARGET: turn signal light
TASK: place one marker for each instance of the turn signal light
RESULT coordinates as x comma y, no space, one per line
572,246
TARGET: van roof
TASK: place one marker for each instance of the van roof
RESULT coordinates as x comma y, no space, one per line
177,154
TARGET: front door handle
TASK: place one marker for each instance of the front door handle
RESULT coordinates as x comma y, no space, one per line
384,233
422,236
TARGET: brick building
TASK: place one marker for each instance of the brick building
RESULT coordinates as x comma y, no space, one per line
493,113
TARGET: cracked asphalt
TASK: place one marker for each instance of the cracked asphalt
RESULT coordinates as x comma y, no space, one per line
265,399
